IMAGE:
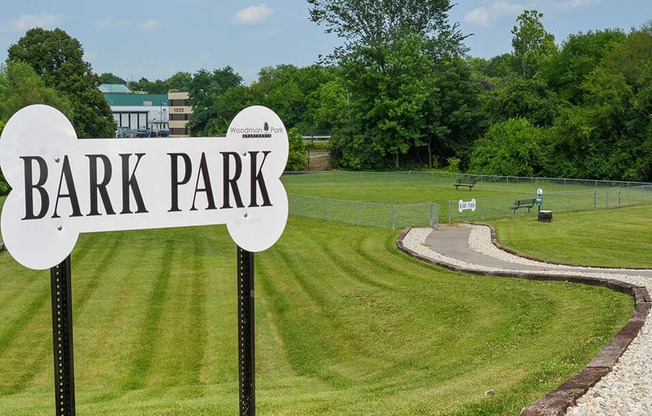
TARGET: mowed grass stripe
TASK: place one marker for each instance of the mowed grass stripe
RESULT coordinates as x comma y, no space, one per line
423,341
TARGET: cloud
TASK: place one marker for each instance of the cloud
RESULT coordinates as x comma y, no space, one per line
485,16
253,15
108,23
151,24
578,4
30,21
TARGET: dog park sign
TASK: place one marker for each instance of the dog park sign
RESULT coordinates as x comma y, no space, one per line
63,186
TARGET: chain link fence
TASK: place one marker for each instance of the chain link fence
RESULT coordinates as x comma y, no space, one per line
483,202
481,209
365,213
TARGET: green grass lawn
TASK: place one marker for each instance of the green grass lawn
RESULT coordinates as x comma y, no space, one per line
494,198
611,238
346,325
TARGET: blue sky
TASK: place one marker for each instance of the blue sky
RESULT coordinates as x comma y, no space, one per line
135,39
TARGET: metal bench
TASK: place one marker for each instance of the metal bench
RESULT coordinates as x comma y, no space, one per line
470,182
523,203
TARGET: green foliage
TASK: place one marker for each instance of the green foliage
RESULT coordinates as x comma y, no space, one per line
382,23
533,46
390,89
297,157
58,59
607,134
510,148
517,97
453,165
205,88
109,78
578,57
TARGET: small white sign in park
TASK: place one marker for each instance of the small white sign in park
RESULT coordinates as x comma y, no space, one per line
63,186
466,205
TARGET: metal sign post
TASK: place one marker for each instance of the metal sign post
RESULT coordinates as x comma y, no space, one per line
246,332
62,187
64,374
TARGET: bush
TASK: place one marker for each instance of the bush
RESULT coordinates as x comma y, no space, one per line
511,148
297,157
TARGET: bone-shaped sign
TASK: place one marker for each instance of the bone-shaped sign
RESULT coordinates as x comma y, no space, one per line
63,186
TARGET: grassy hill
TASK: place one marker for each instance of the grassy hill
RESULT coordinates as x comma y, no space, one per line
346,325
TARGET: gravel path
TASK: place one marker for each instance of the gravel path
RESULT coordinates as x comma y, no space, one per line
627,389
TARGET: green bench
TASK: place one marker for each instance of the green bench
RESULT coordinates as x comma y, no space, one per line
523,203
470,182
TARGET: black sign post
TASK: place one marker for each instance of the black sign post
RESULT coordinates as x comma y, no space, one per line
64,374
246,332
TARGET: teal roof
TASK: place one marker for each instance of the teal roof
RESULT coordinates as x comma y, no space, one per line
115,88
136,100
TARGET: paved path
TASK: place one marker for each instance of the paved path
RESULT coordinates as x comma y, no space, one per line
453,242
618,381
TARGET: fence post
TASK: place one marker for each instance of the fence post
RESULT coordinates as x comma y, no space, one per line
393,217
358,219
482,209
450,220
607,206
595,198
619,192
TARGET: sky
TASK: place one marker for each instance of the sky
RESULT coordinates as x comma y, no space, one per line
156,39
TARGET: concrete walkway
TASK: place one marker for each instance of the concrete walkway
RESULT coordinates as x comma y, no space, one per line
453,242
592,391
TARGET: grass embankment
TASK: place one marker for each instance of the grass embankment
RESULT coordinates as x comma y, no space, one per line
346,325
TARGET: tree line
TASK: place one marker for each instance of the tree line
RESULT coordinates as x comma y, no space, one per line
402,93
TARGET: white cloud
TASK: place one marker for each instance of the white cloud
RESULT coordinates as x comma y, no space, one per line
151,24
253,15
485,16
578,4
30,21
108,23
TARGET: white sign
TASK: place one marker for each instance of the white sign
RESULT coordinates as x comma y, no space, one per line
63,186
464,205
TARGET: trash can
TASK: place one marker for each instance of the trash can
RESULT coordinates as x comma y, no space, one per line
545,216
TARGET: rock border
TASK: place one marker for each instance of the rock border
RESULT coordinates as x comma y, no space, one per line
566,395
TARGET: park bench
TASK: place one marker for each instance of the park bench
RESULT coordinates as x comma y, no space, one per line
523,203
470,182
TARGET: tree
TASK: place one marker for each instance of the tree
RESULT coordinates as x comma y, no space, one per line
373,23
510,148
205,88
453,117
533,46
390,87
109,78
522,98
297,157
58,59
149,87
180,81
20,87
608,135
577,58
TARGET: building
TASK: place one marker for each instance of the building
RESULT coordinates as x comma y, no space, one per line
179,114
160,114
